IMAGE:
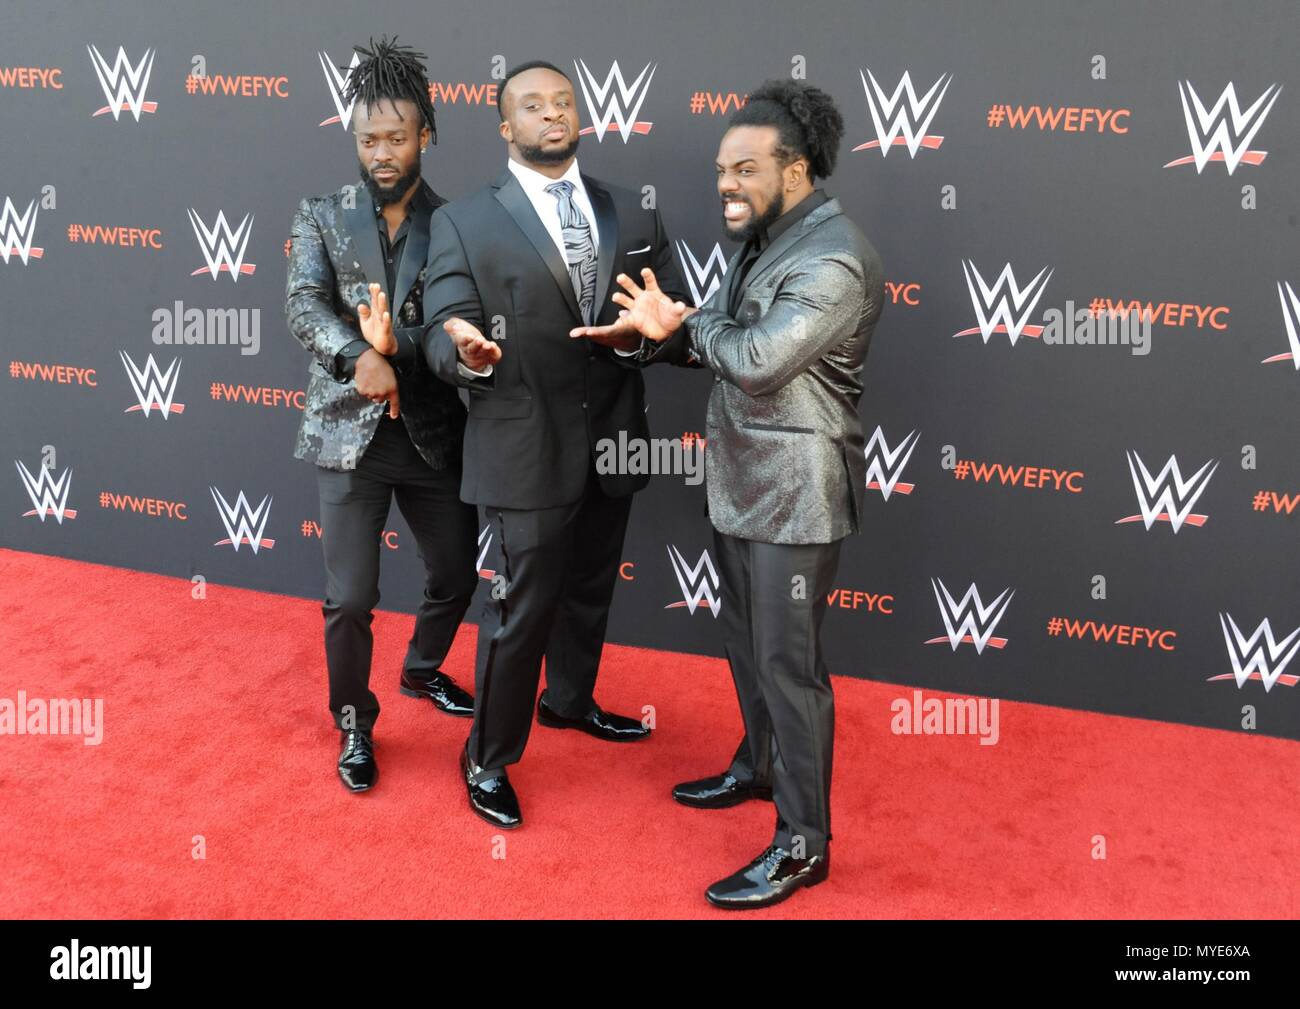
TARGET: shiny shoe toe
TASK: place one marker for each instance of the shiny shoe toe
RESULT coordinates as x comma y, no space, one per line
442,690
494,799
357,768
597,722
769,879
719,792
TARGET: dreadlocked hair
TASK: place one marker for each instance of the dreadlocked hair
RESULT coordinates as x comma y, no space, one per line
387,70
807,122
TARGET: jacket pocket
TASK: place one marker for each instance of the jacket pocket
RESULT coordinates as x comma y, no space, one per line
487,405
778,427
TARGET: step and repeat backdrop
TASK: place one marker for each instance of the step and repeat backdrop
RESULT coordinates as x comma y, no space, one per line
1081,400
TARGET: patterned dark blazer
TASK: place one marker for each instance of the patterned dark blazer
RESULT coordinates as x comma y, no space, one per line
334,255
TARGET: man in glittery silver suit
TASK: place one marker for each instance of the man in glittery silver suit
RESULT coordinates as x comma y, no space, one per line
786,335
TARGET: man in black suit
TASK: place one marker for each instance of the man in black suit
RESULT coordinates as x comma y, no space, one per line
379,427
512,269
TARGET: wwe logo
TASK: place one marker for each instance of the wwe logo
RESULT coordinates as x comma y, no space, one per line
970,621
1259,657
1224,132
17,231
239,520
218,245
618,107
891,117
49,496
484,542
1167,497
885,465
124,85
704,279
336,80
153,387
1291,319
698,584
1004,307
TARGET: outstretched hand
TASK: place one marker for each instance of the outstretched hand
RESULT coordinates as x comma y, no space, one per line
377,323
475,350
647,311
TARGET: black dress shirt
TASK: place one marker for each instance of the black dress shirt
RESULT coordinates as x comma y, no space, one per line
755,246
407,355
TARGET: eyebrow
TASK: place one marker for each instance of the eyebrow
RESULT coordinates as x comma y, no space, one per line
737,164
538,94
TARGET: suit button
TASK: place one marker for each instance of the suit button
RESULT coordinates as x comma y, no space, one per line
584,404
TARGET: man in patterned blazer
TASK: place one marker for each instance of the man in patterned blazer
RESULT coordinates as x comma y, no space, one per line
785,335
379,427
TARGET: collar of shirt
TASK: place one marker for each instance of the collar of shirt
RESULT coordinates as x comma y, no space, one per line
419,204
791,217
755,246
546,204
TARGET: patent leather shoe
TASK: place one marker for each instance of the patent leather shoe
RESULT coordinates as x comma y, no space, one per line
597,722
769,879
494,799
442,690
719,792
357,767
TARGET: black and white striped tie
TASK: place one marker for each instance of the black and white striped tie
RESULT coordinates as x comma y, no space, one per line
579,249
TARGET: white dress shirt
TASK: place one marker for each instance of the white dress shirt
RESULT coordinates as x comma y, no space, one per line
547,204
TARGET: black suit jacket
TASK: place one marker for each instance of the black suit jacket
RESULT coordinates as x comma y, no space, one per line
334,255
535,423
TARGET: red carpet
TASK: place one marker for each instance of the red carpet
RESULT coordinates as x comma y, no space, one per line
215,725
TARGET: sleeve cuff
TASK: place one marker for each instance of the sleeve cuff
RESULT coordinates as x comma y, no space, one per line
407,356
466,373
638,352
345,361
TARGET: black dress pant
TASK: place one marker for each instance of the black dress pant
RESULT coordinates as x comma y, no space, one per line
773,602
354,506
555,570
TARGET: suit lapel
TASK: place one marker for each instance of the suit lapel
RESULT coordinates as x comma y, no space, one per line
773,253
364,228
722,296
510,194
414,250
607,249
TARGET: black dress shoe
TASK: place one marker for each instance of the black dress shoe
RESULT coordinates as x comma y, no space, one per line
494,799
441,689
357,765
769,879
597,722
719,791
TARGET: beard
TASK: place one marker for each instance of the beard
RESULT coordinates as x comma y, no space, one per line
538,156
386,195
757,224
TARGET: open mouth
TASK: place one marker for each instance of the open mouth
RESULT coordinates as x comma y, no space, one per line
735,210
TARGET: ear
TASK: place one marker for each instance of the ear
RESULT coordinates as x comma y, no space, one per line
504,129
796,172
